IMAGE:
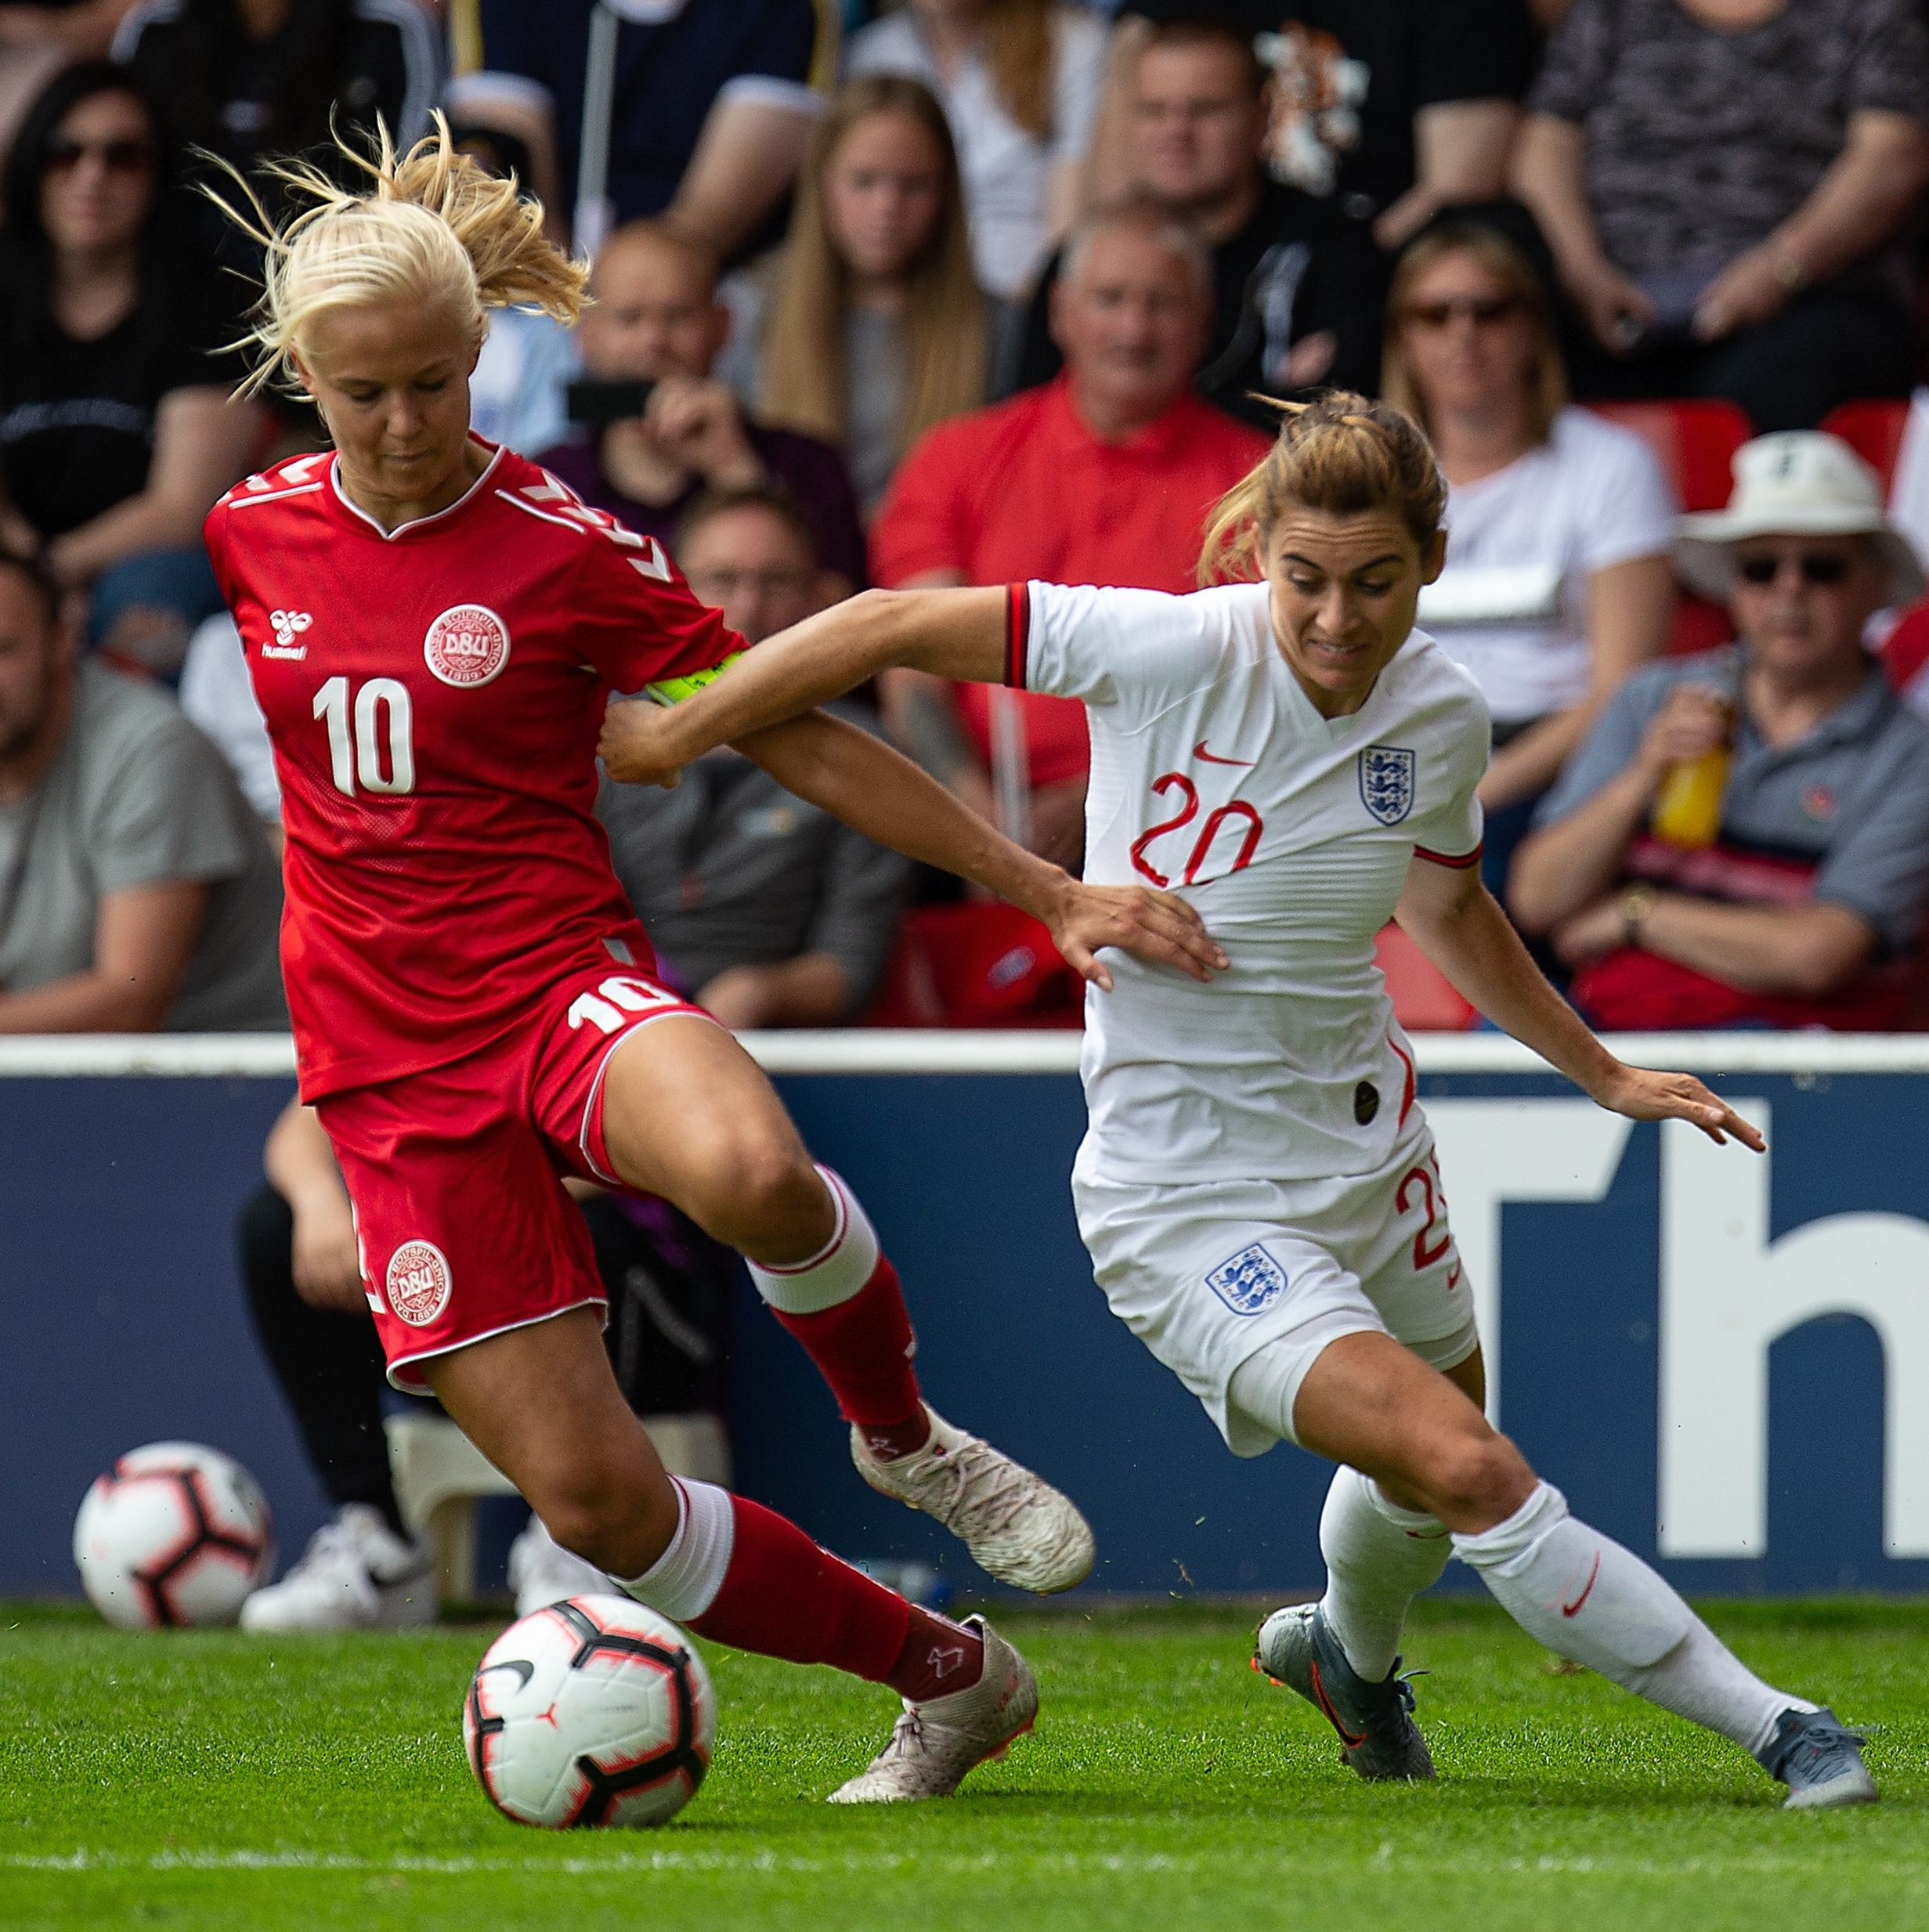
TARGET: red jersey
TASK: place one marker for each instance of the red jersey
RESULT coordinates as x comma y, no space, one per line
434,695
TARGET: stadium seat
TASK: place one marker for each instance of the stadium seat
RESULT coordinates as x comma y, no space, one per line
991,965
1906,650
1424,1001
1695,442
1873,430
440,1475
976,966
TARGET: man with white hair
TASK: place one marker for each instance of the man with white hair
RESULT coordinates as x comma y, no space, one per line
1798,897
1104,475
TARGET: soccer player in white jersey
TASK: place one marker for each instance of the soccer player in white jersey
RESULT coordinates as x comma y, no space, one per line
1258,1188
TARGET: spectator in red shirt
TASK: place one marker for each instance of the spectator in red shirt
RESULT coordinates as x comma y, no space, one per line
1104,475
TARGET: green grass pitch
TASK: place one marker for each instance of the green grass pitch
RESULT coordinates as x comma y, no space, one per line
208,1779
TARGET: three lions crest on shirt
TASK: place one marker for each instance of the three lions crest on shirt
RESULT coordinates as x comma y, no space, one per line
1386,781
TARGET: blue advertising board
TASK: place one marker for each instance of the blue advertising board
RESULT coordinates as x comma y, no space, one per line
1723,1359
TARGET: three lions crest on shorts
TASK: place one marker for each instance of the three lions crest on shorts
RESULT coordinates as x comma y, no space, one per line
1386,781
418,1282
1251,1282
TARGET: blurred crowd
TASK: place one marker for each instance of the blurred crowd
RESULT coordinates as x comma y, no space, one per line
965,291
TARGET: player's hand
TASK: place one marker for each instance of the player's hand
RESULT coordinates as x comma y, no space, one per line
1156,926
1643,1094
327,1272
635,745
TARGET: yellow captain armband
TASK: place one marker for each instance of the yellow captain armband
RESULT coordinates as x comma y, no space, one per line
674,690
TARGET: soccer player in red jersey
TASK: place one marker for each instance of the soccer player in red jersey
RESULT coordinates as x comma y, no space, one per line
433,625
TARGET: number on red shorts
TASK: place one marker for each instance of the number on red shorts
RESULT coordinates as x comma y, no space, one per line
616,1003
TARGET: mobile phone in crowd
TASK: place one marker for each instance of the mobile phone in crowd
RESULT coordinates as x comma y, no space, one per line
599,404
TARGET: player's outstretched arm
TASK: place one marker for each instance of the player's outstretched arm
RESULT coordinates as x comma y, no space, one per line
861,780
1455,922
952,634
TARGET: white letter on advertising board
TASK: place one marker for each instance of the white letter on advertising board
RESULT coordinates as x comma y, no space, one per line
1727,1294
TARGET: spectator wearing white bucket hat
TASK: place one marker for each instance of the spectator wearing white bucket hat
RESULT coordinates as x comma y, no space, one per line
1798,899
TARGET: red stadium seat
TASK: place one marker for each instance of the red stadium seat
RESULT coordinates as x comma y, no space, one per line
1695,442
976,966
991,965
1905,651
1424,1002
1873,430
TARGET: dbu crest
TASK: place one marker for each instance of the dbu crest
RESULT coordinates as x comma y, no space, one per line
1252,1280
1386,781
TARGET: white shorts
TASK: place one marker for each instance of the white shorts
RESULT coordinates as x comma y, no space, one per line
1208,1276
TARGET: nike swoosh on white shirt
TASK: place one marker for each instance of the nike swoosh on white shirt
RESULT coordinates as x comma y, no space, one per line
1212,758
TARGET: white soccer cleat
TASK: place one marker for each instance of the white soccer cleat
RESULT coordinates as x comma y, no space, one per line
542,1572
1015,1524
357,1574
934,1744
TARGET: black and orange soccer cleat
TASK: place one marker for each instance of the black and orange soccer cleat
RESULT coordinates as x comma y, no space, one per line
1378,1738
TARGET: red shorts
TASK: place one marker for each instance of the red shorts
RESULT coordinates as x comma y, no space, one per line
462,1224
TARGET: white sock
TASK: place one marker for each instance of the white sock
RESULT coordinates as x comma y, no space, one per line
836,1272
1378,1557
683,1583
1584,1596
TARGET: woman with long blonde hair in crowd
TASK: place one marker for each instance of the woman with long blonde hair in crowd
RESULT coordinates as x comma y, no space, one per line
1258,1188
1557,581
1020,82
432,625
875,328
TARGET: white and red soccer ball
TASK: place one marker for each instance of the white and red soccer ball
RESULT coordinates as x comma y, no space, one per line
593,1711
175,1533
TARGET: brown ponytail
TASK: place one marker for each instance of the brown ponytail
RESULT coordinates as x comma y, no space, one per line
1339,453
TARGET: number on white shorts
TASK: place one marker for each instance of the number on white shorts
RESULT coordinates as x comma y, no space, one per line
365,756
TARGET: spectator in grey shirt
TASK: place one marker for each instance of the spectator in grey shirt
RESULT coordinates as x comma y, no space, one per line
769,911
137,890
1800,899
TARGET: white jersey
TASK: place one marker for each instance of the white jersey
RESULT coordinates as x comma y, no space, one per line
1213,776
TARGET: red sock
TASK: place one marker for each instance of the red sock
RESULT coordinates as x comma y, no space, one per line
783,1596
938,1657
863,1348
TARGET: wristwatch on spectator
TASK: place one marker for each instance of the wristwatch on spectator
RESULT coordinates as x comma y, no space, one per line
1637,903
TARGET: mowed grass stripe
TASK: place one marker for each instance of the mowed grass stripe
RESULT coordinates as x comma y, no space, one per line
205,1779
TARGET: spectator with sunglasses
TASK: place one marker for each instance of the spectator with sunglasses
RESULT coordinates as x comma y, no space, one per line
1799,898
1557,583
117,434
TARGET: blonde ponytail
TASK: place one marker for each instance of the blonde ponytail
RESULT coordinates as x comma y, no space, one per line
433,226
1339,453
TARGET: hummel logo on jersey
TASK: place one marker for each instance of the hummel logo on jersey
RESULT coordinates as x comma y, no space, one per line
1386,781
652,563
289,624
1250,1282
